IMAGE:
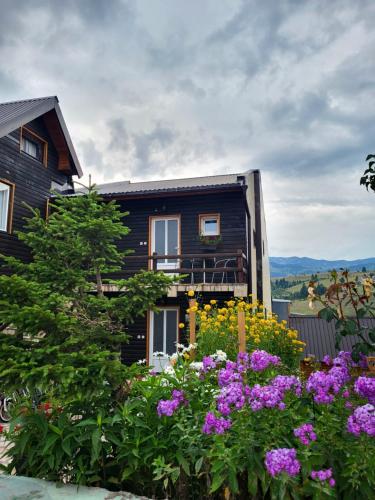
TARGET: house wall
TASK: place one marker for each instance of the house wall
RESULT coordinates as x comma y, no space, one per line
32,182
230,206
137,347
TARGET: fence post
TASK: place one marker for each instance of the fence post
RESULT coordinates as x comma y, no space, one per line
241,332
152,266
192,321
240,266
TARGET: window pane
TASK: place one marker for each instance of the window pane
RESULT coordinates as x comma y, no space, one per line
172,237
158,332
160,237
4,205
171,332
210,227
30,147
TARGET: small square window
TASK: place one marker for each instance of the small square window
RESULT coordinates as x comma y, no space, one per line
209,225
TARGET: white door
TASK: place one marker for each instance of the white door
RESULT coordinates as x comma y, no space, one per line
165,240
163,336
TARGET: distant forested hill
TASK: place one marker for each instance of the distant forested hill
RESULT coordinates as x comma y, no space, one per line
293,266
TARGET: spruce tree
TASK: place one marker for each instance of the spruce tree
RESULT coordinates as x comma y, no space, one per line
59,332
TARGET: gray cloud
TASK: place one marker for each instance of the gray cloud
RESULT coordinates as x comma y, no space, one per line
165,88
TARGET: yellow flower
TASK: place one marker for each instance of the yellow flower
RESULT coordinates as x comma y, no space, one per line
257,340
217,323
213,302
191,293
181,325
193,309
230,303
231,328
207,307
232,318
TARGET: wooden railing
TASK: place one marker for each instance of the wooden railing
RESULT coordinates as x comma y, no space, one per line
221,267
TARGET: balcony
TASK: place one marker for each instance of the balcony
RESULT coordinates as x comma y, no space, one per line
204,272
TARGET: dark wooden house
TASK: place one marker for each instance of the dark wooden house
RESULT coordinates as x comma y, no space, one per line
36,155
211,229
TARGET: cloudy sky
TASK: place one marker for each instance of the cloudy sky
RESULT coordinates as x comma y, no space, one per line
174,88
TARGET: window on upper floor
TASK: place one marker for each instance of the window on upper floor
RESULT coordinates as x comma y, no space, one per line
209,225
33,145
6,205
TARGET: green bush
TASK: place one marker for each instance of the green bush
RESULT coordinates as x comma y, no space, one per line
134,445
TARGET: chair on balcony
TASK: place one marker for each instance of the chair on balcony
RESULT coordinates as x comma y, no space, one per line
226,263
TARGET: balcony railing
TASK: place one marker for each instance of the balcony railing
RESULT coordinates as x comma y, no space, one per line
200,268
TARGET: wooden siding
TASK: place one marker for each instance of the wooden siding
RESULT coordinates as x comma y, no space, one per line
137,348
32,182
230,206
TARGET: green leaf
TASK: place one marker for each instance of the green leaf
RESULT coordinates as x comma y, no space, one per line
198,464
218,480
50,441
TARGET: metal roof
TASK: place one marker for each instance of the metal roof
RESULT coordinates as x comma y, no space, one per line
14,114
319,335
191,183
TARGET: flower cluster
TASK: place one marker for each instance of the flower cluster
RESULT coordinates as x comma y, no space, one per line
323,475
232,396
365,387
362,420
229,374
215,425
325,386
305,433
166,407
266,396
260,360
286,383
208,363
282,460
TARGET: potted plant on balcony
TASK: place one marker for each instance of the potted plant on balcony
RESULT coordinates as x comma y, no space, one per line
210,243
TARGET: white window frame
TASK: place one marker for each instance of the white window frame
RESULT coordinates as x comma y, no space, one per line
165,264
7,228
205,217
159,362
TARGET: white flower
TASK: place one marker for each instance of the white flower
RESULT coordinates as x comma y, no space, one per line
141,362
169,370
219,356
174,357
196,365
158,354
180,346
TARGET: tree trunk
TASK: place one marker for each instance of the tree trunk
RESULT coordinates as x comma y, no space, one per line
99,283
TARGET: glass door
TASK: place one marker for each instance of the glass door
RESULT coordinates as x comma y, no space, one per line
163,336
165,240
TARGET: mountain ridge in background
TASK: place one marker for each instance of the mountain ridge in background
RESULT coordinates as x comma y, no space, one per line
293,266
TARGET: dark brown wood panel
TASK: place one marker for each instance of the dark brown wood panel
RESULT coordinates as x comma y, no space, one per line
32,182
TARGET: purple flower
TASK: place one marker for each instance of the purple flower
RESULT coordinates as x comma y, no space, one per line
231,397
208,364
365,387
324,386
323,475
267,396
228,375
260,360
327,360
341,374
305,433
167,407
215,425
286,383
343,358
282,460
362,420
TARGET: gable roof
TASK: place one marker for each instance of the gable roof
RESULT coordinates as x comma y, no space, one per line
172,185
320,334
14,114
